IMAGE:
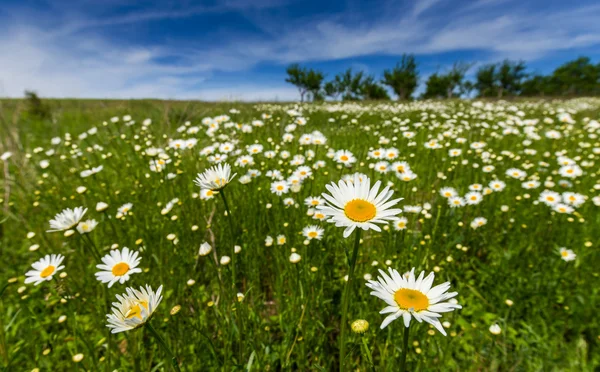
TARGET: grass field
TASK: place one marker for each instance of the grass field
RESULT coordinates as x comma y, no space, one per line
500,199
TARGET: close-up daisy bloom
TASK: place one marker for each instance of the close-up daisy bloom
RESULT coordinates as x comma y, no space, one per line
44,269
409,297
567,254
358,205
215,178
313,232
118,266
67,219
133,308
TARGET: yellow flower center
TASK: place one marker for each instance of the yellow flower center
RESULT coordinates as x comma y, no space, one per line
447,194
136,310
411,299
401,225
313,234
120,269
550,198
564,253
314,202
359,210
47,271
344,158
279,188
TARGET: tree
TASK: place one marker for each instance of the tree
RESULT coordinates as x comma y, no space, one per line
456,78
486,80
436,86
332,89
467,88
577,77
509,77
313,82
447,85
537,85
372,91
297,77
403,78
35,107
349,85
307,81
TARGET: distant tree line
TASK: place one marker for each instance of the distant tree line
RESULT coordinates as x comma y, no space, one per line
579,77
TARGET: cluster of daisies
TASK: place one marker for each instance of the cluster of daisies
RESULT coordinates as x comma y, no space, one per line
135,306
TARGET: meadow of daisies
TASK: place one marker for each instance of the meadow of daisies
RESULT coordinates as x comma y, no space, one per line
150,236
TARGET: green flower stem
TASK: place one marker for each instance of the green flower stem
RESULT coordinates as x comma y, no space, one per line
346,298
233,276
232,231
404,349
164,345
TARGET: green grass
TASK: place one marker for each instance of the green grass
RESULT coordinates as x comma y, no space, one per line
290,316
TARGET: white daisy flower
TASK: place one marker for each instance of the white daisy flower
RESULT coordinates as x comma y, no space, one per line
44,269
133,309
215,178
86,226
313,232
67,219
280,187
567,254
118,266
408,297
355,204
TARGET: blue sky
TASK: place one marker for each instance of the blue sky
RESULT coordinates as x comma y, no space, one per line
236,49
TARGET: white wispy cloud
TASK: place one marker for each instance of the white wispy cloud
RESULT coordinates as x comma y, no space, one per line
71,57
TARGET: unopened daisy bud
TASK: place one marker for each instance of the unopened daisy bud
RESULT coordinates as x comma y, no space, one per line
13,280
21,289
46,351
81,189
509,302
175,309
495,329
171,236
62,318
225,260
368,276
205,249
77,358
194,228
114,246
295,258
446,324
269,205
101,206
240,297
191,282
360,326
30,235
69,233
34,247
237,249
